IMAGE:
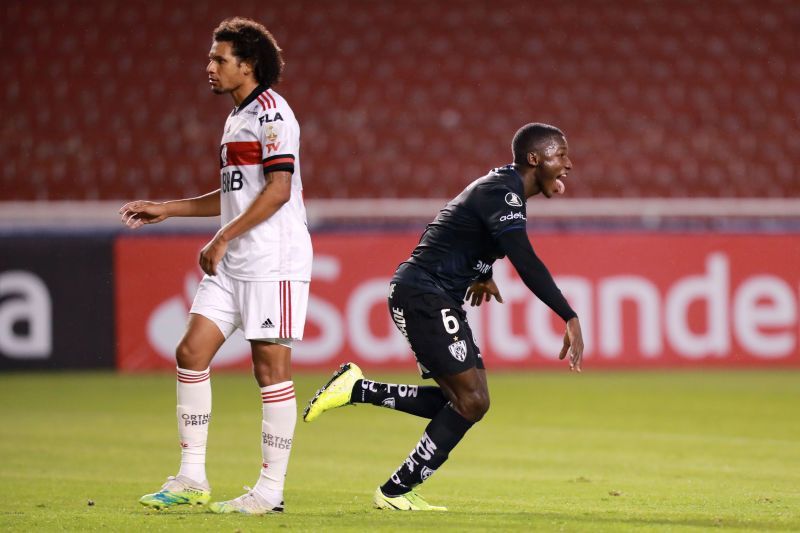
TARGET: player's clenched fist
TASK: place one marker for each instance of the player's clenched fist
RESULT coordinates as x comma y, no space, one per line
212,253
140,212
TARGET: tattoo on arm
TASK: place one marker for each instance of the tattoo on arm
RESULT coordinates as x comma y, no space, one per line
278,178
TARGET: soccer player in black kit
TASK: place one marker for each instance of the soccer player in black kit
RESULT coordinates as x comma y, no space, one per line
453,262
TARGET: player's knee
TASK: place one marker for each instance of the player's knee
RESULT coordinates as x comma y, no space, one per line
473,405
266,374
269,370
187,357
481,406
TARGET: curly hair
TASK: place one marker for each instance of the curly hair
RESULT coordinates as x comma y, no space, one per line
530,137
252,42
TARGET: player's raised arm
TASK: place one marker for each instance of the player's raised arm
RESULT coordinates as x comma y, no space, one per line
140,212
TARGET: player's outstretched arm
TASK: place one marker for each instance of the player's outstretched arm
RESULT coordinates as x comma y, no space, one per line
483,289
534,274
140,212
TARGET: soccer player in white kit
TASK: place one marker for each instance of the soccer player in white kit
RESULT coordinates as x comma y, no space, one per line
257,266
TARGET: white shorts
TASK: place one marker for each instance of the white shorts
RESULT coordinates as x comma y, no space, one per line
263,310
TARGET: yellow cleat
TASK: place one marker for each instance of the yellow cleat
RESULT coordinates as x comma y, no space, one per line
410,501
335,393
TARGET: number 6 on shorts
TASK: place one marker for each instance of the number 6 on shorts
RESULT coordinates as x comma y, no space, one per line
450,322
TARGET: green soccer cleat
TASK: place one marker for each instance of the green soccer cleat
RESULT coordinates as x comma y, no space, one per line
248,503
335,393
178,490
410,501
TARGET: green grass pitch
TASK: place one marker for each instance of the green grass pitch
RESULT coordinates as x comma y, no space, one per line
667,451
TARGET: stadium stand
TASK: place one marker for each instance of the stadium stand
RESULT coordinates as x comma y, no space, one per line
108,99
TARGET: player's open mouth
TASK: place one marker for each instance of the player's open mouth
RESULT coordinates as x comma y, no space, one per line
560,187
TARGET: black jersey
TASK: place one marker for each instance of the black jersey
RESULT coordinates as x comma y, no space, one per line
460,245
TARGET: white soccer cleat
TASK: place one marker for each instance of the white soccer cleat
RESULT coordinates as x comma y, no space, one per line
178,490
248,503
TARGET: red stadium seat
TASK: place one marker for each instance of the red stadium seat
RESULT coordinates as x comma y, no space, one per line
107,99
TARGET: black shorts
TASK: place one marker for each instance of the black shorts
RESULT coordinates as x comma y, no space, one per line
436,329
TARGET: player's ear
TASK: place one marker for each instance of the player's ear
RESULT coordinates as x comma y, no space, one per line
533,159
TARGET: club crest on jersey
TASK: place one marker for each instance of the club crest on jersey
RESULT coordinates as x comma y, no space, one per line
223,155
458,350
513,200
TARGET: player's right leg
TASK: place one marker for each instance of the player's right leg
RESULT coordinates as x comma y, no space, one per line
204,336
337,392
348,386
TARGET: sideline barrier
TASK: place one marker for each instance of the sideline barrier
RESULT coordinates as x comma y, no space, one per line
645,301
56,302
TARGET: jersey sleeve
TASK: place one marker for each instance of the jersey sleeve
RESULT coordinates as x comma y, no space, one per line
501,210
280,142
534,273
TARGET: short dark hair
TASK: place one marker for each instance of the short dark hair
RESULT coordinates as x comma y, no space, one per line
252,42
530,137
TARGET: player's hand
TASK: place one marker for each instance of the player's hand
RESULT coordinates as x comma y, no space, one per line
212,253
483,289
573,344
140,212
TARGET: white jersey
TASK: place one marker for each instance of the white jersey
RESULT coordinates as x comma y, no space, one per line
261,136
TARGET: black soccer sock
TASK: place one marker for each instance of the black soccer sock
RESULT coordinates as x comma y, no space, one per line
440,437
424,401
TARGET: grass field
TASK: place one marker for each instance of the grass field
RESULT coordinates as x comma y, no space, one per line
673,451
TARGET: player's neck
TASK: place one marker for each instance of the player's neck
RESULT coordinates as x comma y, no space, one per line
243,91
528,175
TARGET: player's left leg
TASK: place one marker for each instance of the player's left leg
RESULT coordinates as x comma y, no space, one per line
445,350
469,401
270,308
272,369
271,364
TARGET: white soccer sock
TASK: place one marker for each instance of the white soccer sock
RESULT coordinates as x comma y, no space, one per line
279,410
194,414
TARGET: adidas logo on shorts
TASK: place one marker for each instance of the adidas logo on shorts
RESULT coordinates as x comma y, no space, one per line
268,324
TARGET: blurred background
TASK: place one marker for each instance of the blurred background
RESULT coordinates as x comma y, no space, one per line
678,240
